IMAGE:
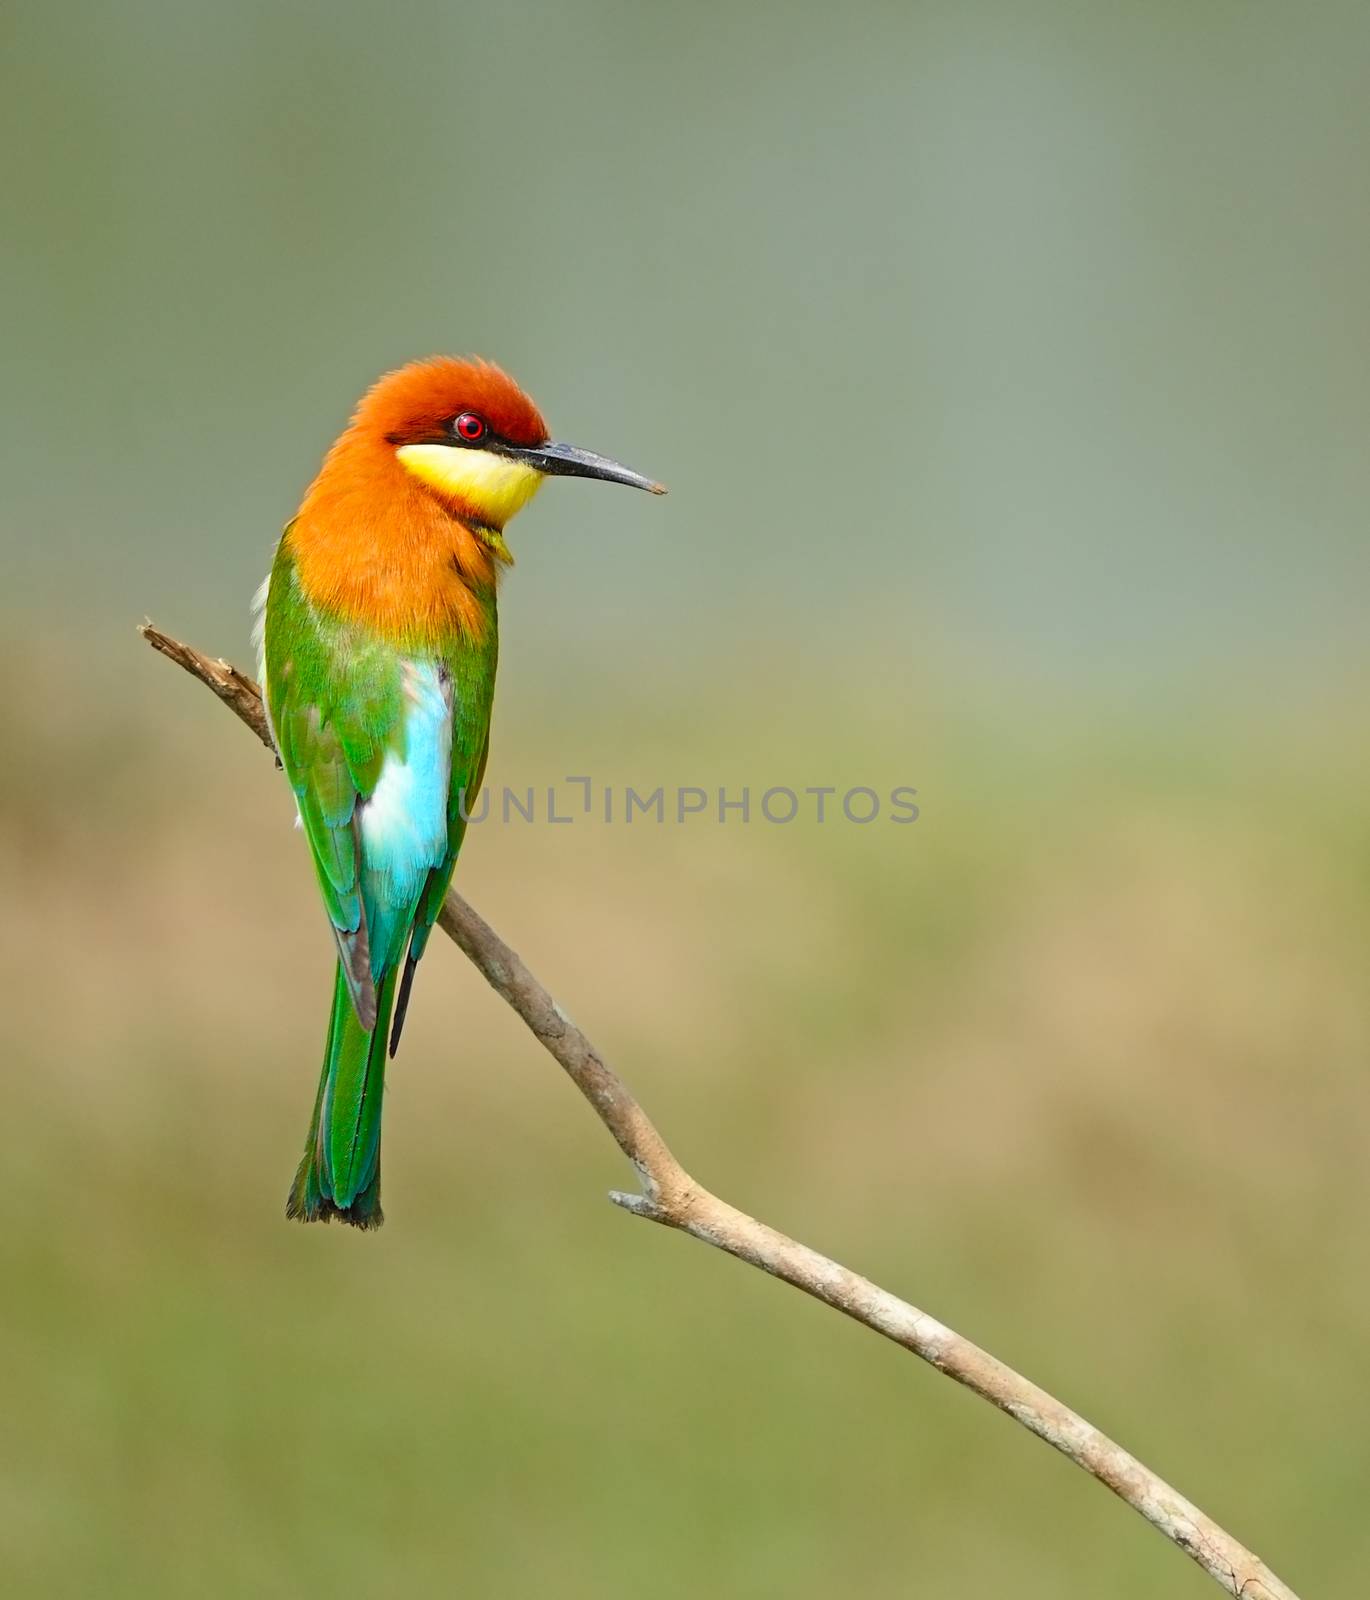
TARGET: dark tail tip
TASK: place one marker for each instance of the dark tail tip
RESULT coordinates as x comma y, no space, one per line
307,1202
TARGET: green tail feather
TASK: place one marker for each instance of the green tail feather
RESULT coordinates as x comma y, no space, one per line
340,1175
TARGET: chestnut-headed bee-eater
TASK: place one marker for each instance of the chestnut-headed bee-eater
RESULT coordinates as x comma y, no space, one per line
378,643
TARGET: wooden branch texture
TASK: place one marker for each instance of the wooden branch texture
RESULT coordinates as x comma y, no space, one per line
669,1195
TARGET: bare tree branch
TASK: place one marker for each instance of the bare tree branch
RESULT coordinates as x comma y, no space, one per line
669,1195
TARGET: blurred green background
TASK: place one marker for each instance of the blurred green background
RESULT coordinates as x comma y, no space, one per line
1008,366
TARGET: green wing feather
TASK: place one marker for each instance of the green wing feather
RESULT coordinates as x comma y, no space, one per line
334,699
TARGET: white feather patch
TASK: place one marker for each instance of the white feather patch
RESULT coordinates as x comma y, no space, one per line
259,628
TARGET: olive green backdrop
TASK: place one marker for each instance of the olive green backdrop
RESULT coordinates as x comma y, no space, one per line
1008,366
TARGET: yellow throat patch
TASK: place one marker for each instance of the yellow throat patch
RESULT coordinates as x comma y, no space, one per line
491,486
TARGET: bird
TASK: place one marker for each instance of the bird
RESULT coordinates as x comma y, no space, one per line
378,636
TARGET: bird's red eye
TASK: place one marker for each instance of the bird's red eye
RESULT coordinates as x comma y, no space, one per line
470,427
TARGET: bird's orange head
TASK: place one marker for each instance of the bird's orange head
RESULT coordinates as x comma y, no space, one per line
420,403
468,433
406,518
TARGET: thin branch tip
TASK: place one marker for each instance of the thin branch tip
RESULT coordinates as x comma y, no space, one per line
641,1205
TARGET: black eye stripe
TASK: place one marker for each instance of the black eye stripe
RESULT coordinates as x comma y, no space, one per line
449,433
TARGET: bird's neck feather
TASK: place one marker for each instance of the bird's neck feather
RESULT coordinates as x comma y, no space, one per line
374,544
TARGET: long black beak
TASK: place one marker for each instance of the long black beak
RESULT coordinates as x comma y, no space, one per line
569,461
